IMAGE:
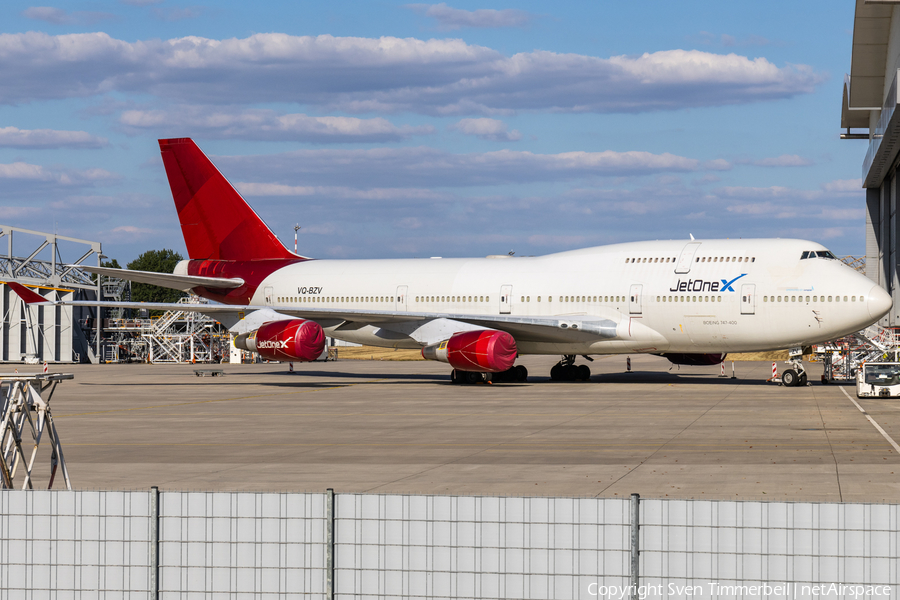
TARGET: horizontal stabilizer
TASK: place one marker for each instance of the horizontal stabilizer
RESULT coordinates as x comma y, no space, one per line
167,280
27,296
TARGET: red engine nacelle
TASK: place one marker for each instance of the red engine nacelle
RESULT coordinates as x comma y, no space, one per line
696,360
484,351
296,340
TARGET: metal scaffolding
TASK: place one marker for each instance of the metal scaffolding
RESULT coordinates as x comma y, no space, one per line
843,357
25,409
175,337
51,334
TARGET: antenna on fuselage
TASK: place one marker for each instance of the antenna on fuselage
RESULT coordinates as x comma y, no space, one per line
690,234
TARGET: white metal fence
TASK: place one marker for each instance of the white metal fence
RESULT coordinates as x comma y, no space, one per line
80,544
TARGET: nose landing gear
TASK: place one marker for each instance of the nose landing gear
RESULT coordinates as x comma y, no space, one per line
795,376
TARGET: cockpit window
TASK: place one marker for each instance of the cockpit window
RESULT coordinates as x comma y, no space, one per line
817,254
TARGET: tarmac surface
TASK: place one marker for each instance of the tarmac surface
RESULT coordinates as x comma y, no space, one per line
401,427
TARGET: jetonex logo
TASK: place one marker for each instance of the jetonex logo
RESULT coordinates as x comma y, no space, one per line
726,285
702,285
273,344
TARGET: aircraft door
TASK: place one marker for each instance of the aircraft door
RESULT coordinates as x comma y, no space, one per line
748,299
270,295
401,297
635,299
505,299
687,257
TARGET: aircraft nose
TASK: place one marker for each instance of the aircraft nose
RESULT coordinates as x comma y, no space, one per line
879,302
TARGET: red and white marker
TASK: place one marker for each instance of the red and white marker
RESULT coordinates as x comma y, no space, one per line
628,364
723,369
46,368
774,371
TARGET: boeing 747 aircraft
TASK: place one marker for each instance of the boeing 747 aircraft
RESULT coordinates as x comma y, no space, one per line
691,301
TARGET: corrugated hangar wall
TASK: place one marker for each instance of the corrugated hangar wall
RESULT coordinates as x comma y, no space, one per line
38,334
51,336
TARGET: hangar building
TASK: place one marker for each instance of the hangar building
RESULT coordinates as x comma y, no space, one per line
46,263
870,112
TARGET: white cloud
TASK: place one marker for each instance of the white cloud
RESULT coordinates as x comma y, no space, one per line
21,171
13,137
423,167
273,189
487,129
385,74
844,186
59,16
268,125
455,18
785,160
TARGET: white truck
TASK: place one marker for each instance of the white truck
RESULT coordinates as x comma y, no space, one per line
878,379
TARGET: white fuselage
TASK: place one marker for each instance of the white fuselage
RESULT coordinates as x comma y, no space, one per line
665,296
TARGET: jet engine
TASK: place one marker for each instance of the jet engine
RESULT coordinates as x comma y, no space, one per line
696,360
296,340
483,351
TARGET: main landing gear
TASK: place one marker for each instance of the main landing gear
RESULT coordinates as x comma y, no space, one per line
567,370
515,374
795,376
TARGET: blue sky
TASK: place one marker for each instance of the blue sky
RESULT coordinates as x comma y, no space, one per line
452,129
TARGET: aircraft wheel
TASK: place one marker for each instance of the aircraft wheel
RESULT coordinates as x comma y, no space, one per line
570,372
556,373
803,379
789,378
521,374
474,377
584,372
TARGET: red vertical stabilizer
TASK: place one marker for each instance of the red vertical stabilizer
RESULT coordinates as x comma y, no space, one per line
217,223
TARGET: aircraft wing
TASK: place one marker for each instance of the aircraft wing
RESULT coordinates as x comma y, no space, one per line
567,328
167,280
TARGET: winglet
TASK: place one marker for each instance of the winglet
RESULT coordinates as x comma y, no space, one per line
25,294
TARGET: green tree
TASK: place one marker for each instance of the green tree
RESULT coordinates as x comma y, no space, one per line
157,261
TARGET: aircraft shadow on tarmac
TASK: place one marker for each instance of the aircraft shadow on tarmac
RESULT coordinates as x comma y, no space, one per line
333,379
636,377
